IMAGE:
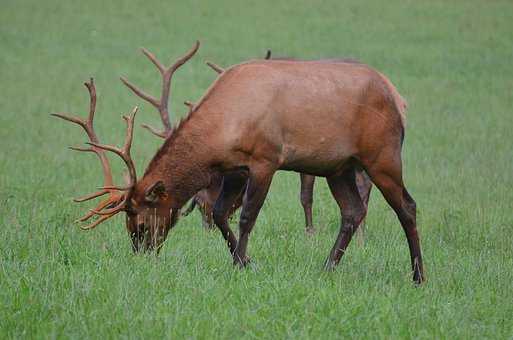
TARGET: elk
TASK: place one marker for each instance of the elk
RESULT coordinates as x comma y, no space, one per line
328,119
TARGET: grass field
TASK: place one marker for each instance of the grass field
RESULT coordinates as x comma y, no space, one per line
452,61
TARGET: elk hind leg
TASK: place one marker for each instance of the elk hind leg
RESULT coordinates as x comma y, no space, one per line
386,174
364,185
352,210
306,197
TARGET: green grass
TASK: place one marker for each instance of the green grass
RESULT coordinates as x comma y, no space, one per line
452,61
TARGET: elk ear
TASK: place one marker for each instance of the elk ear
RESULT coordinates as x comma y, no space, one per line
155,191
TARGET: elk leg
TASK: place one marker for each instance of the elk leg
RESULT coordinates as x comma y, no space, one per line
386,174
237,204
232,186
256,191
306,196
364,185
352,210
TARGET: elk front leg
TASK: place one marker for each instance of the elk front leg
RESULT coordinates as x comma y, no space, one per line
306,196
232,187
256,192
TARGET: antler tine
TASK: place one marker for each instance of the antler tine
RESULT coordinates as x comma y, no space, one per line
190,105
185,58
157,133
92,103
129,130
167,73
91,196
149,98
78,148
97,222
215,67
154,60
115,187
90,213
69,118
85,217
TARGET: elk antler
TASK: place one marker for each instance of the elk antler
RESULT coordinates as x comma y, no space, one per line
220,70
115,195
162,103
215,67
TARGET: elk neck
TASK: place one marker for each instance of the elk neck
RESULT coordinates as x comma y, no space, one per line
185,161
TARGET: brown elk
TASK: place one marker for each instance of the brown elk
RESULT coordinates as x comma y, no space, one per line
326,119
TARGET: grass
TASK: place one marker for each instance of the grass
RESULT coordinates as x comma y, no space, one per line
451,60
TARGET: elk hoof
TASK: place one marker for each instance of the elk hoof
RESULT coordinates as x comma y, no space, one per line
310,231
241,261
418,275
329,265
418,279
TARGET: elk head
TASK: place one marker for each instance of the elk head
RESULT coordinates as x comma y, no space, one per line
149,216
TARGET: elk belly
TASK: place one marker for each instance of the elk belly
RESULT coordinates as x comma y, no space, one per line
320,159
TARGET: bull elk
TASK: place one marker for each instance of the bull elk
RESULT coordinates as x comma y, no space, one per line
323,118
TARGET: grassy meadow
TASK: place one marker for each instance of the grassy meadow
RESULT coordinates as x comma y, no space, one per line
452,61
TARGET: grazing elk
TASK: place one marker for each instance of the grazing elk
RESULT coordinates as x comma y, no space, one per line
256,119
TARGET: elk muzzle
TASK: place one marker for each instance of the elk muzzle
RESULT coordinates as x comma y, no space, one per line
148,229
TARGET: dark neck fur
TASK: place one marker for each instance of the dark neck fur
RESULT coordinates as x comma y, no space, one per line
183,163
